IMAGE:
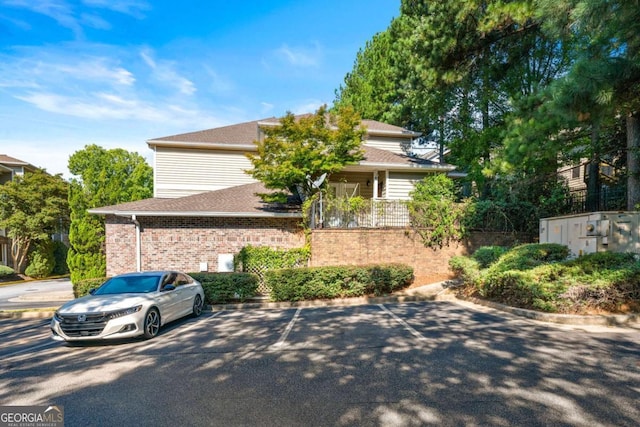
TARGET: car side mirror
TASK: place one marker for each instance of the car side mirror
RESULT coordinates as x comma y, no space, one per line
168,288
92,291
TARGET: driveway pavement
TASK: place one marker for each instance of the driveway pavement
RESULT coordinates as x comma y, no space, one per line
36,294
394,364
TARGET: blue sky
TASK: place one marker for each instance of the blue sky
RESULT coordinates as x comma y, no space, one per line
119,72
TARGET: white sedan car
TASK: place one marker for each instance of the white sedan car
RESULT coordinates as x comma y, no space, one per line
129,305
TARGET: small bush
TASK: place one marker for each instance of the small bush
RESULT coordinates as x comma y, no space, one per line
41,260
467,269
488,255
6,270
82,287
220,288
337,282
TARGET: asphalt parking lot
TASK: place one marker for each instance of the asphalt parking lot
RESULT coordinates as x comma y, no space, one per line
396,364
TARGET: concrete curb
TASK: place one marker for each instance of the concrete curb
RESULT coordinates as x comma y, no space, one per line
433,292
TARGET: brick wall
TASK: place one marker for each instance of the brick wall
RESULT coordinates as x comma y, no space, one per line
182,243
361,246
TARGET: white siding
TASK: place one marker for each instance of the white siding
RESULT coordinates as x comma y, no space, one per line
395,145
400,184
182,172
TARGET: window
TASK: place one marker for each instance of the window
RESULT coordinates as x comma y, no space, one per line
575,172
344,189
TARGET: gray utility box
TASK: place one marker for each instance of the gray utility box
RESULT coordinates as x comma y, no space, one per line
593,232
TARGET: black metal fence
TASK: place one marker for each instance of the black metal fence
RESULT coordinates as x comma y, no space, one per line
607,199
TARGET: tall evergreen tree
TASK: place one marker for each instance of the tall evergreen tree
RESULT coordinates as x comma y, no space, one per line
103,178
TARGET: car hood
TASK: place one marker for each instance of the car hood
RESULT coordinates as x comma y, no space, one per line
100,303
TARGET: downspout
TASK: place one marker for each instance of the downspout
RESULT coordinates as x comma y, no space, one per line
138,245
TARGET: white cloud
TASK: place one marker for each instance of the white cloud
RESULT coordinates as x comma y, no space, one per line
300,57
135,8
164,72
58,10
42,68
309,106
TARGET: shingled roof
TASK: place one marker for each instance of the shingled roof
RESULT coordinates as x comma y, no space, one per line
244,134
239,201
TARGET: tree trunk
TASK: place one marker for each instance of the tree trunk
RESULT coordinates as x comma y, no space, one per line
19,251
593,181
633,160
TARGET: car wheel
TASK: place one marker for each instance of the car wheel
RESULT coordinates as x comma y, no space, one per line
197,306
151,323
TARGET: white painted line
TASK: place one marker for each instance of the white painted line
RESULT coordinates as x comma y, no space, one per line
285,334
403,323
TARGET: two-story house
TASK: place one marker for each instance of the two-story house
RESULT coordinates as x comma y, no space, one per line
205,207
10,167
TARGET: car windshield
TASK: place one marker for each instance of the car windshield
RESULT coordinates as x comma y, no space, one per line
129,284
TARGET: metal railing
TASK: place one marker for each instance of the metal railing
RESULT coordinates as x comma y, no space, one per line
369,214
608,199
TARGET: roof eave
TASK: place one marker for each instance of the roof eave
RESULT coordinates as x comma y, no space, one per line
129,213
396,133
383,165
208,145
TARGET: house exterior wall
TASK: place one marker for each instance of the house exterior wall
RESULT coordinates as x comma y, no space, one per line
400,184
360,178
182,172
362,247
182,243
396,145
574,177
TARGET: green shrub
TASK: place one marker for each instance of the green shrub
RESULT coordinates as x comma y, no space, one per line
6,270
82,287
60,259
252,258
526,257
221,288
467,269
488,255
337,282
41,260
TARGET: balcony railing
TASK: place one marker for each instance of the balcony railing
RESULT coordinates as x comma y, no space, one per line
368,214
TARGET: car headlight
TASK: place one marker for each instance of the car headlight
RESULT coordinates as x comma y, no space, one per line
124,312
57,317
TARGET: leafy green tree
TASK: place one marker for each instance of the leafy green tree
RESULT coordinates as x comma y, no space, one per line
31,209
103,177
436,215
299,150
605,79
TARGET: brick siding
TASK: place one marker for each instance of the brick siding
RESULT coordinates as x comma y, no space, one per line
182,243
362,246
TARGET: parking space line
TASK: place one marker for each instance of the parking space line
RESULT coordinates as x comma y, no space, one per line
285,334
403,323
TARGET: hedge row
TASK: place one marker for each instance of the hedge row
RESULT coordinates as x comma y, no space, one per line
220,288
296,284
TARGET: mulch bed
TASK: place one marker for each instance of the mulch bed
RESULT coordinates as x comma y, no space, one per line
12,278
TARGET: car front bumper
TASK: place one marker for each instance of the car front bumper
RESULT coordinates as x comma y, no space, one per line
93,326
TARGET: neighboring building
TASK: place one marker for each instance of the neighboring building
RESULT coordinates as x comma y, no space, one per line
205,207
10,167
612,195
